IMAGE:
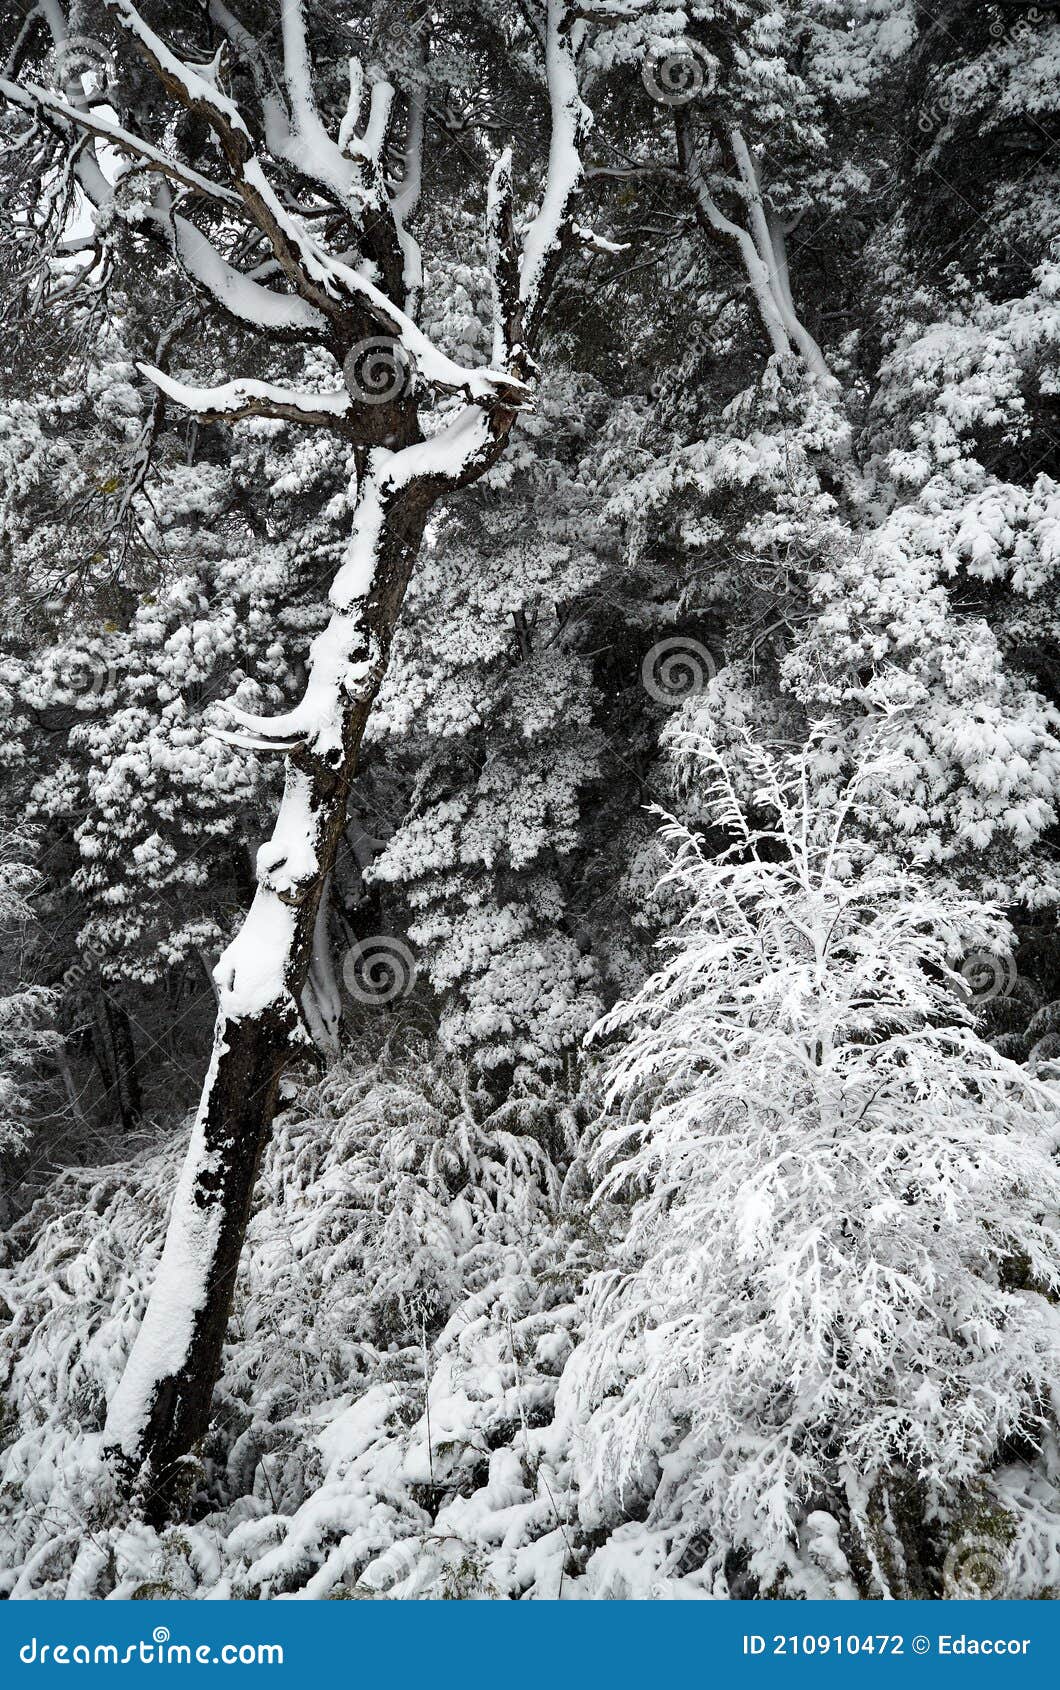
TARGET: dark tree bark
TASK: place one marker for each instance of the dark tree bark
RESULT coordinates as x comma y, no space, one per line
127,1092
170,1406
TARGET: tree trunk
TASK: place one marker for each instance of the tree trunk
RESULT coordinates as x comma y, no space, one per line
162,1405
161,1408
99,1044
126,1078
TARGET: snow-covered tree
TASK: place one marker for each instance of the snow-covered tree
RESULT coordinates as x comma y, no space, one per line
836,1293
496,706
153,569
312,183
780,451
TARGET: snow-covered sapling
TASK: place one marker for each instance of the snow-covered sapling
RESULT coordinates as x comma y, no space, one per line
843,1234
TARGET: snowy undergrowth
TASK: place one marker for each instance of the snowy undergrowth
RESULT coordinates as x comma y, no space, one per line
400,1413
384,1421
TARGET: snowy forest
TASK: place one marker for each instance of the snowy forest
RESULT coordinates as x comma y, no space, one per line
529,799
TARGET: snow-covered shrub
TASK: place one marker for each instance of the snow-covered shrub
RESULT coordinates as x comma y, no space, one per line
836,1297
406,1304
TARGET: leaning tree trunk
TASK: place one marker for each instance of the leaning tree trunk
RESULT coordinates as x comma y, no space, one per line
161,1408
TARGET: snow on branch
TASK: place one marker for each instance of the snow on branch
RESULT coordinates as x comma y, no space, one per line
236,399
256,742
324,281
404,202
765,238
195,87
711,216
370,145
245,44
335,298
760,245
30,97
312,148
339,662
310,269
239,294
596,243
611,11
503,262
571,121
296,69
